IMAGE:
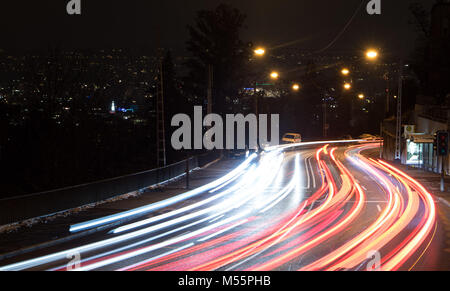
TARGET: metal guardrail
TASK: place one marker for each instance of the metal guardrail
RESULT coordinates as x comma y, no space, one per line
21,208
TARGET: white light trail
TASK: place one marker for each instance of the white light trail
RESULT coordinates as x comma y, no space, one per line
164,203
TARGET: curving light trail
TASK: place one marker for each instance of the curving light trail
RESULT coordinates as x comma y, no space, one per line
259,217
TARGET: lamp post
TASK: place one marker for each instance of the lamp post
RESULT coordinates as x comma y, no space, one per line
296,87
259,52
398,149
372,55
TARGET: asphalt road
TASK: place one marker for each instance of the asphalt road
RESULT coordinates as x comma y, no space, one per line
316,207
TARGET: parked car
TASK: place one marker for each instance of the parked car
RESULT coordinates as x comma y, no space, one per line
367,136
291,138
346,137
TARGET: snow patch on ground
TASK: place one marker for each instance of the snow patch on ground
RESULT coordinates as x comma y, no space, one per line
14,227
51,217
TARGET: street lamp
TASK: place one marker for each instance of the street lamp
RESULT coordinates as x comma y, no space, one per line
361,96
347,86
259,52
345,72
296,87
371,54
274,75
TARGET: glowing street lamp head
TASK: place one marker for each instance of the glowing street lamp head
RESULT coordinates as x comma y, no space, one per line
296,87
345,72
260,52
361,96
274,75
371,54
347,86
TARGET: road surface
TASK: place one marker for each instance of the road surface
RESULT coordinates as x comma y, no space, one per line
311,207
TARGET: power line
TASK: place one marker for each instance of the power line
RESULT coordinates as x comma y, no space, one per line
342,31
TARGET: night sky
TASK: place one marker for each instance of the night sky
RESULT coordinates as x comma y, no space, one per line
149,24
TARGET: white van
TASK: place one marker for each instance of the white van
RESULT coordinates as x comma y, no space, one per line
291,138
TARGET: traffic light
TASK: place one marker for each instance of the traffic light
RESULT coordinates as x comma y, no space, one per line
435,148
442,139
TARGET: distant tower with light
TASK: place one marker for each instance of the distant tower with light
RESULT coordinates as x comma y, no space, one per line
113,108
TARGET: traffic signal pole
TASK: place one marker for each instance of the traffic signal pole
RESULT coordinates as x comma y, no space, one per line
442,140
442,175
398,135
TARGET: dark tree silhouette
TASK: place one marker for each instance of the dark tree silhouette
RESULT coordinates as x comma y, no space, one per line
174,103
430,60
215,41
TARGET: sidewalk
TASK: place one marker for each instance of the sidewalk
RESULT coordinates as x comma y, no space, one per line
431,181
57,227
439,251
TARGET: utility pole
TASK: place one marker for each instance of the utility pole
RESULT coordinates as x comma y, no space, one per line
160,124
442,141
255,94
382,140
210,88
388,92
398,136
325,124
